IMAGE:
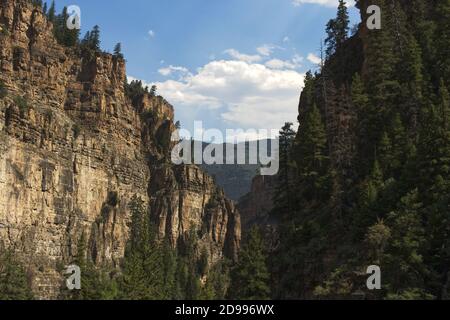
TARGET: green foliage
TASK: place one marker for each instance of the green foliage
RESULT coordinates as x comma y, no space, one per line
217,282
387,203
250,277
3,30
3,90
143,272
23,104
118,50
337,29
76,130
135,91
153,90
96,283
312,158
51,14
14,283
90,44
189,279
283,199
63,35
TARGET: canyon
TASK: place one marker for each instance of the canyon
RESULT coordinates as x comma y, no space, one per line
75,150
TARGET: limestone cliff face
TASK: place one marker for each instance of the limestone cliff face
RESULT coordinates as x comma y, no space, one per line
257,204
73,156
185,199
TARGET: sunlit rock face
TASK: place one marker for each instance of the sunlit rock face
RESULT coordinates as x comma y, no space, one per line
73,157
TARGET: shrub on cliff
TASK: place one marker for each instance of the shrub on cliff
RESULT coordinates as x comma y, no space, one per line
118,51
3,90
64,36
91,41
135,91
22,103
14,284
3,30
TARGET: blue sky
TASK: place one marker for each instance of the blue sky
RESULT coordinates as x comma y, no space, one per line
230,63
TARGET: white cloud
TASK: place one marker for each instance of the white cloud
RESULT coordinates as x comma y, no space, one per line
245,95
313,58
151,33
173,69
294,63
242,57
297,59
328,3
280,64
266,49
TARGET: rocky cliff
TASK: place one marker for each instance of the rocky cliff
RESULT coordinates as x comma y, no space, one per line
257,204
74,151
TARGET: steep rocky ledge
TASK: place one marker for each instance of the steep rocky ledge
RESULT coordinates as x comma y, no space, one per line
74,156
255,206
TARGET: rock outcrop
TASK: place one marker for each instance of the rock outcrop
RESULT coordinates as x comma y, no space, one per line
257,204
74,150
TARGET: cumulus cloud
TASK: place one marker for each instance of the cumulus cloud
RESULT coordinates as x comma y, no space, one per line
294,63
243,94
280,64
182,71
151,33
242,57
328,3
313,58
266,49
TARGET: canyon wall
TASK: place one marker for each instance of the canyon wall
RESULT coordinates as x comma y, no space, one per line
74,150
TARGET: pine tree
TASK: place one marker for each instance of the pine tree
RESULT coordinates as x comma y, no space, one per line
169,262
283,198
308,90
342,24
382,86
189,253
95,282
143,272
91,42
400,145
63,35
365,123
337,29
218,281
433,179
94,39
405,272
250,278
368,209
118,50
385,153
70,36
434,148
153,91
52,12
14,283
312,160
443,40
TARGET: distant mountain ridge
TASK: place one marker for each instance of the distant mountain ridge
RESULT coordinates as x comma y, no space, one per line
235,179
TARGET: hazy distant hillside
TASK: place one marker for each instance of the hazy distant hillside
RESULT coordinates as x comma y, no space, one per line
235,179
